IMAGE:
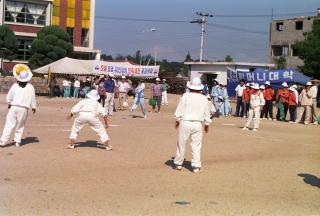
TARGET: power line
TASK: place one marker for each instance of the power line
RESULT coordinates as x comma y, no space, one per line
140,19
237,29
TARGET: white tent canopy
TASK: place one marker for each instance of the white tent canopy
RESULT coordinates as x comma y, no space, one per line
96,67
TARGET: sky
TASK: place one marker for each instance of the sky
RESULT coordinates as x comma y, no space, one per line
243,38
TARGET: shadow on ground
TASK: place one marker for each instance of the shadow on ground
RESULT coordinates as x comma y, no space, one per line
310,179
186,164
26,141
90,143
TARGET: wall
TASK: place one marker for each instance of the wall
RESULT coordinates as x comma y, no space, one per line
40,84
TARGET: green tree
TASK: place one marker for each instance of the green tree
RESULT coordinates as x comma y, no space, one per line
8,44
52,43
186,67
309,51
228,58
281,62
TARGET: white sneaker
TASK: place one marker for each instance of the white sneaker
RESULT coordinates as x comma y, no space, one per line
145,116
108,148
70,147
18,144
196,170
306,123
255,130
177,167
245,128
2,144
270,119
290,122
315,123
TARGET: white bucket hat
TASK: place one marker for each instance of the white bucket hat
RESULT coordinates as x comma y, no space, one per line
164,80
247,85
267,83
284,84
111,75
255,86
22,72
195,84
93,94
294,86
291,88
158,79
309,83
123,77
262,87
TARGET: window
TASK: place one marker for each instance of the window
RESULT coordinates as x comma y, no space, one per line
294,51
85,37
299,25
279,26
25,12
85,14
24,48
71,33
280,50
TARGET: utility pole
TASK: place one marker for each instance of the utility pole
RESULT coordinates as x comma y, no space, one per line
201,21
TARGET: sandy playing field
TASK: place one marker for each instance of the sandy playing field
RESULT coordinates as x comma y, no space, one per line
275,171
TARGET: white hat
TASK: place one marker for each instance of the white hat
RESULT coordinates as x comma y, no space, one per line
284,84
22,72
291,88
111,75
158,79
195,84
220,97
309,83
123,77
267,83
255,86
294,86
252,84
93,94
216,80
164,80
247,85
262,87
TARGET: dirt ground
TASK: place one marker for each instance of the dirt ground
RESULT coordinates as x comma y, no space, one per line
275,171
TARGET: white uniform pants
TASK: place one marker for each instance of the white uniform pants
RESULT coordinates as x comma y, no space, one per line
192,130
16,117
91,120
164,98
109,103
255,115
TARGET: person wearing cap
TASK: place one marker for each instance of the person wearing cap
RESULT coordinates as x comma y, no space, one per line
268,96
239,92
192,113
165,86
109,85
293,102
219,105
215,91
76,88
256,103
262,112
88,111
205,90
314,90
157,94
139,98
282,100
20,98
87,86
246,100
306,104
124,87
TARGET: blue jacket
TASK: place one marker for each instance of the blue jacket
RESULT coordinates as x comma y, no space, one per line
109,85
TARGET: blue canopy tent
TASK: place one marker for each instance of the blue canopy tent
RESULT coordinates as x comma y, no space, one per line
276,77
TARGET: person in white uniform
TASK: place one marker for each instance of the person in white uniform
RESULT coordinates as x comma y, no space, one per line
21,97
256,104
124,87
192,113
88,111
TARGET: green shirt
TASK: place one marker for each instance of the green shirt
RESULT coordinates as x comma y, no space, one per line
165,87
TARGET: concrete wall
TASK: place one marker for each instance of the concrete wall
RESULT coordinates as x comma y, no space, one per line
40,84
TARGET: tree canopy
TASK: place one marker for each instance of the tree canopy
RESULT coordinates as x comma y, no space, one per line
228,58
52,43
309,51
8,43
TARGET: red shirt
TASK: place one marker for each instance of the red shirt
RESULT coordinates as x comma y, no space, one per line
284,94
246,95
292,99
268,94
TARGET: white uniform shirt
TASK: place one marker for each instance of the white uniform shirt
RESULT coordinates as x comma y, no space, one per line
314,90
89,106
257,99
193,107
240,89
76,84
23,97
65,83
123,87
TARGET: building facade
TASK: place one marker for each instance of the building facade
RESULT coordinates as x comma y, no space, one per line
77,18
27,17
284,34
